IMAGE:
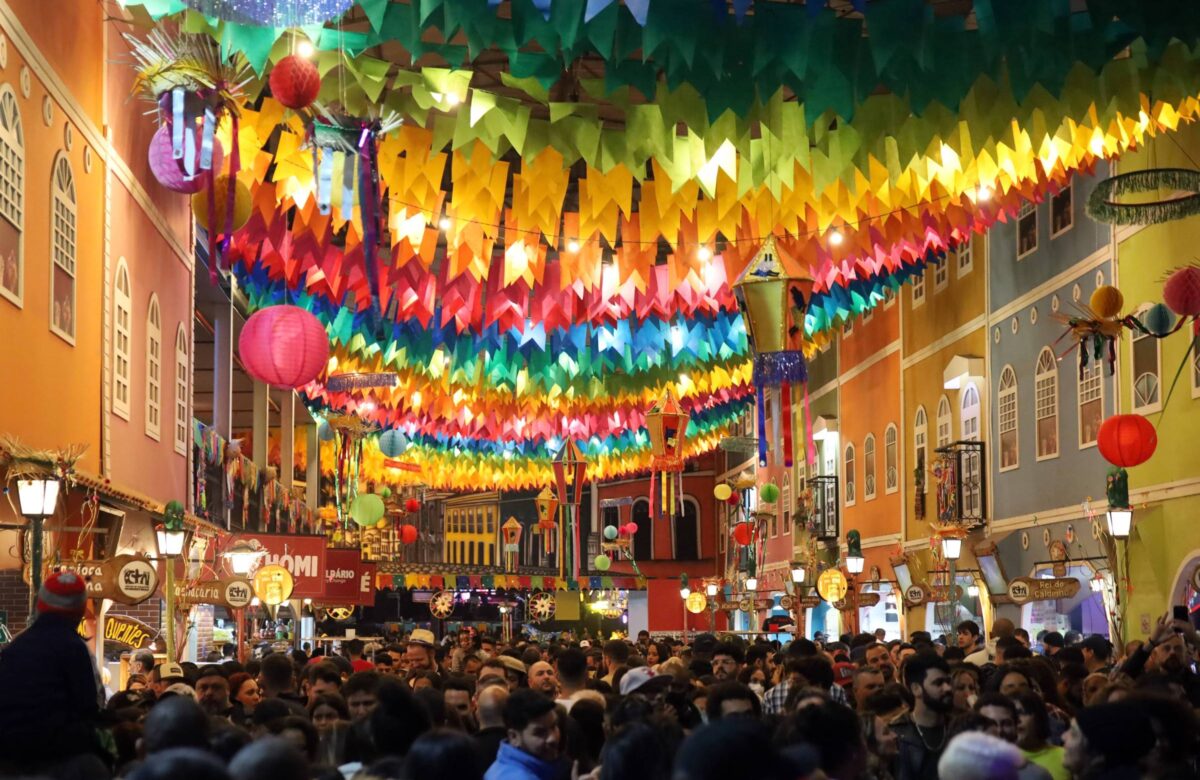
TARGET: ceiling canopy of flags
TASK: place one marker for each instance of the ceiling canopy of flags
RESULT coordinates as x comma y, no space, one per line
533,212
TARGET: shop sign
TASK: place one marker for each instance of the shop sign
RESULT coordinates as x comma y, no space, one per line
123,630
832,585
810,601
1025,589
940,594
854,599
231,592
125,579
303,556
696,602
916,594
348,580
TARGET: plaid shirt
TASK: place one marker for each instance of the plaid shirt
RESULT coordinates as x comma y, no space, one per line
773,701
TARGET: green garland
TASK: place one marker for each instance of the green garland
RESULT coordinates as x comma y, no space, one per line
1104,204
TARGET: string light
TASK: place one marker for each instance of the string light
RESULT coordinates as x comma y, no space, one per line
444,223
704,253
836,238
305,49
572,246
984,194
453,99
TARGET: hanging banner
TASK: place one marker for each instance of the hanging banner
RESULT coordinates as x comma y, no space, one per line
125,579
1025,589
230,592
302,556
348,580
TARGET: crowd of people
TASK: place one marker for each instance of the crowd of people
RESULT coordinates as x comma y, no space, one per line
470,707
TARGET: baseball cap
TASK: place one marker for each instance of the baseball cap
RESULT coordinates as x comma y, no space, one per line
586,644
63,593
180,689
843,673
422,636
644,679
169,670
512,664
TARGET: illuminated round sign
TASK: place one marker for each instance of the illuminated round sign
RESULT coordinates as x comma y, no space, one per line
915,594
237,592
696,602
136,580
273,584
832,585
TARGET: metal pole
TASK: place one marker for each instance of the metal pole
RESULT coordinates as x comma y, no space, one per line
35,564
170,599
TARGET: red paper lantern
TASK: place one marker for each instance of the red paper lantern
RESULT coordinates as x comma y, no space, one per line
284,346
631,529
1127,440
412,505
408,534
734,500
295,81
743,534
169,171
1182,291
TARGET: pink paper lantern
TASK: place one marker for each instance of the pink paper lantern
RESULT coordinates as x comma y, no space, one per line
631,529
284,346
1182,291
169,171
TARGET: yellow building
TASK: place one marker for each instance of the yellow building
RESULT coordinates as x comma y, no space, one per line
471,529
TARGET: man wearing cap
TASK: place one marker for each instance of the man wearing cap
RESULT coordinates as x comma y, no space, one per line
48,683
644,681
1097,654
165,675
419,656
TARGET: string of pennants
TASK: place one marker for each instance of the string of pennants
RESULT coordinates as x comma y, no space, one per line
503,581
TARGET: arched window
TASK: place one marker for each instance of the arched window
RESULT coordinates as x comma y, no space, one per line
869,467
891,460
122,339
849,475
945,424
921,445
153,369
1006,396
685,532
1147,368
972,463
62,250
182,423
643,540
12,198
1045,404
1090,394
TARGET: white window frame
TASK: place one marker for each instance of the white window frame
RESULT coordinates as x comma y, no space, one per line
1006,392
964,261
870,473
1028,209
1135,337
1070,194
12,184
945,423
182,375
122,341
921,441
64,240
941,275
918,288
971,414
1094,369
154,368
848,486
1045,380
891,452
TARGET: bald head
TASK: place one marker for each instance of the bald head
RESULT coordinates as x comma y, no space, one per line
1002,627
543,679
489,706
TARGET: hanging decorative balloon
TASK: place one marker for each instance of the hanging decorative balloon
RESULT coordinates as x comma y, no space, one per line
666,423
283,346
773,293
602,562
1127,440
610,532
392,443
769,493
412,505
367,509
743,534
1182,292
408,534
168,171
722,491
295,81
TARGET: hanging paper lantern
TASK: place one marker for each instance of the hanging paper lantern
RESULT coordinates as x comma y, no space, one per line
367,509
722,492
283,346
547,512
392,443
602,562
570,472
1127,440
610,532
382,524
743,533
666,422
412,505
631,529
325,432
773,293
384,492
295,81
408,534
169,171
1106,302
227,223
1159,320
1182,291
510,531
769,493
733,500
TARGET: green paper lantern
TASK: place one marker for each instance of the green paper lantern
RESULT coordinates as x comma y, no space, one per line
385,492
610,532
602,562
367,509
769,493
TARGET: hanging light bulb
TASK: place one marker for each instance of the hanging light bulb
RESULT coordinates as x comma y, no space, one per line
444,223
984,194
836,238
703,253
685,591
305,49
572,246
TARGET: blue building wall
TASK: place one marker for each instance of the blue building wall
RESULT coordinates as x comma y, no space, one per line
1010,278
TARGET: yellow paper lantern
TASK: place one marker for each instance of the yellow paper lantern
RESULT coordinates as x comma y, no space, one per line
1107,301
242,203
722,492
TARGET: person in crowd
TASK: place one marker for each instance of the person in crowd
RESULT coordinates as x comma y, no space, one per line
458,693
1052,642
732,700
543,679
1023,637
212,692
727,660
142,663
616,657
1033,736
922,733
419,653
438,755
489,714
361,693
276,680
327,711
977,755
970,640
322,678
657,652
48,683
878,657
244,696
531,751
868,681
1108,742
571,665
354,652
1097,654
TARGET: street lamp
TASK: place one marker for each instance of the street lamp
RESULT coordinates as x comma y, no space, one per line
711,590
170,541
1097,583
951,547
38,499
685,591
973,591
172,536
752,583
798,573
244,556
1120,520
